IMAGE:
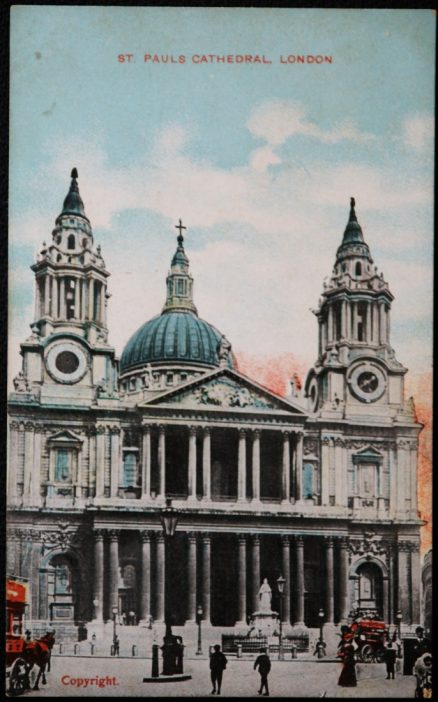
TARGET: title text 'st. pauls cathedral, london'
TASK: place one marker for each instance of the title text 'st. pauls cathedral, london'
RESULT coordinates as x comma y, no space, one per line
319,486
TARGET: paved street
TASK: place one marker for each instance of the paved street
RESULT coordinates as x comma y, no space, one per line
123,678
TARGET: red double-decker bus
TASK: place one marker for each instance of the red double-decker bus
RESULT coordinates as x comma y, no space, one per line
16,602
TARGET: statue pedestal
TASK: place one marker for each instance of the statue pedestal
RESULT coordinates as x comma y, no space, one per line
264,623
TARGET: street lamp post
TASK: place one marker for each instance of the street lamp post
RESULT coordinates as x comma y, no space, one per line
280,585
199,613
172,645
398,618
321,616
115,612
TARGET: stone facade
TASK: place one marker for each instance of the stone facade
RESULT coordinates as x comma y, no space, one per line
320,487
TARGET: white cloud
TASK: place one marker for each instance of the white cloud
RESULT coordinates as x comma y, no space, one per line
418,132
278,120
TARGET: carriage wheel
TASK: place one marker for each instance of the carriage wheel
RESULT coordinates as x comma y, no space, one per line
18,678
380,656
367,653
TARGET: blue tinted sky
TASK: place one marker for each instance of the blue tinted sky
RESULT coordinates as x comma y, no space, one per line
258,160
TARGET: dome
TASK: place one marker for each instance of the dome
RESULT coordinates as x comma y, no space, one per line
173,336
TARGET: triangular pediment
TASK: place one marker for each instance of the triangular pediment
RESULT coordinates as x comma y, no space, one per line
64,437
225,389
368,451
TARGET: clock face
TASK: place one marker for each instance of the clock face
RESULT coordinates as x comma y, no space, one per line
66,362
367,382
313,395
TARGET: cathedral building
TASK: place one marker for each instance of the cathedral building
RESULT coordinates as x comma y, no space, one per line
319,486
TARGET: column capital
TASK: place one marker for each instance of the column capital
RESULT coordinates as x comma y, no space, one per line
192,536
242,538
161,428
256,433
114,534
329,541
299,434
206,537
342,542
29,426
99,534
145,535
193,430
285,539
159,537
286,434
206,430
299,540
14,425
255,538
146,428
242,432
115,430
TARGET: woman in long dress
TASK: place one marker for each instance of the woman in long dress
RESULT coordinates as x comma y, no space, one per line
347,677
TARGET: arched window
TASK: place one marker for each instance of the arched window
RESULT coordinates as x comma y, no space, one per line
71,241
129,470
358,268
63,466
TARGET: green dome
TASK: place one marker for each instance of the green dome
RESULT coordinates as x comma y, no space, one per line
173,336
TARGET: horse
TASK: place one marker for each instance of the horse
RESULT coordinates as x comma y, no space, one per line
38,653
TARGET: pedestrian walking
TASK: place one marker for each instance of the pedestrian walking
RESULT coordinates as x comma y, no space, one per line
348,677
218,663
390,656
116,644
263,663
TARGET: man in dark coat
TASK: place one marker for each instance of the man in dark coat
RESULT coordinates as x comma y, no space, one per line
263,663
390,656
218,663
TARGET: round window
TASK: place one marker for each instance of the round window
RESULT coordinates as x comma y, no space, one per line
67,362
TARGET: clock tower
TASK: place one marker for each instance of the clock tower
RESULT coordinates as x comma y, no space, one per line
356,373
67,358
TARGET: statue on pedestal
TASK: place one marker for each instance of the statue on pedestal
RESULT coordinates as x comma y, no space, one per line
265,597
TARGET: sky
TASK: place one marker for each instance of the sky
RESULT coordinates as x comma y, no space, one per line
258,159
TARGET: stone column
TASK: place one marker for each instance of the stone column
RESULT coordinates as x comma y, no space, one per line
325,469
100,461
339,472
392,457
401,477
385,613
146,463
256,465
391,587
113,570
241,479
375,323
191,579
37,299
388,326
90,298
28,460
404,581
206,577
414,479
349,334
285,562
62,307
255,572
286,468
382,322
343,580
206,464
115,460
36,471
98,575
54,298
299,580
241,581
102,305
355,319
330,323
192,464
344,333
13,461
160,578
77,298
47,294
299,467
329,586
368,323
145,597
162,459
415,582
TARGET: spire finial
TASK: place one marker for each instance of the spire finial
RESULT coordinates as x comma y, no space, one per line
180,237
353,217
74,173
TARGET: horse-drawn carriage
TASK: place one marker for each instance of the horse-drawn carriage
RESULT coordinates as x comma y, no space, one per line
21,652
368,637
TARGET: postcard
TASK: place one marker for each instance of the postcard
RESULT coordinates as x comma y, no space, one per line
220,352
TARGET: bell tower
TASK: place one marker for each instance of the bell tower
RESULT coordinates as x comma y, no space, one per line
68,352
356,371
